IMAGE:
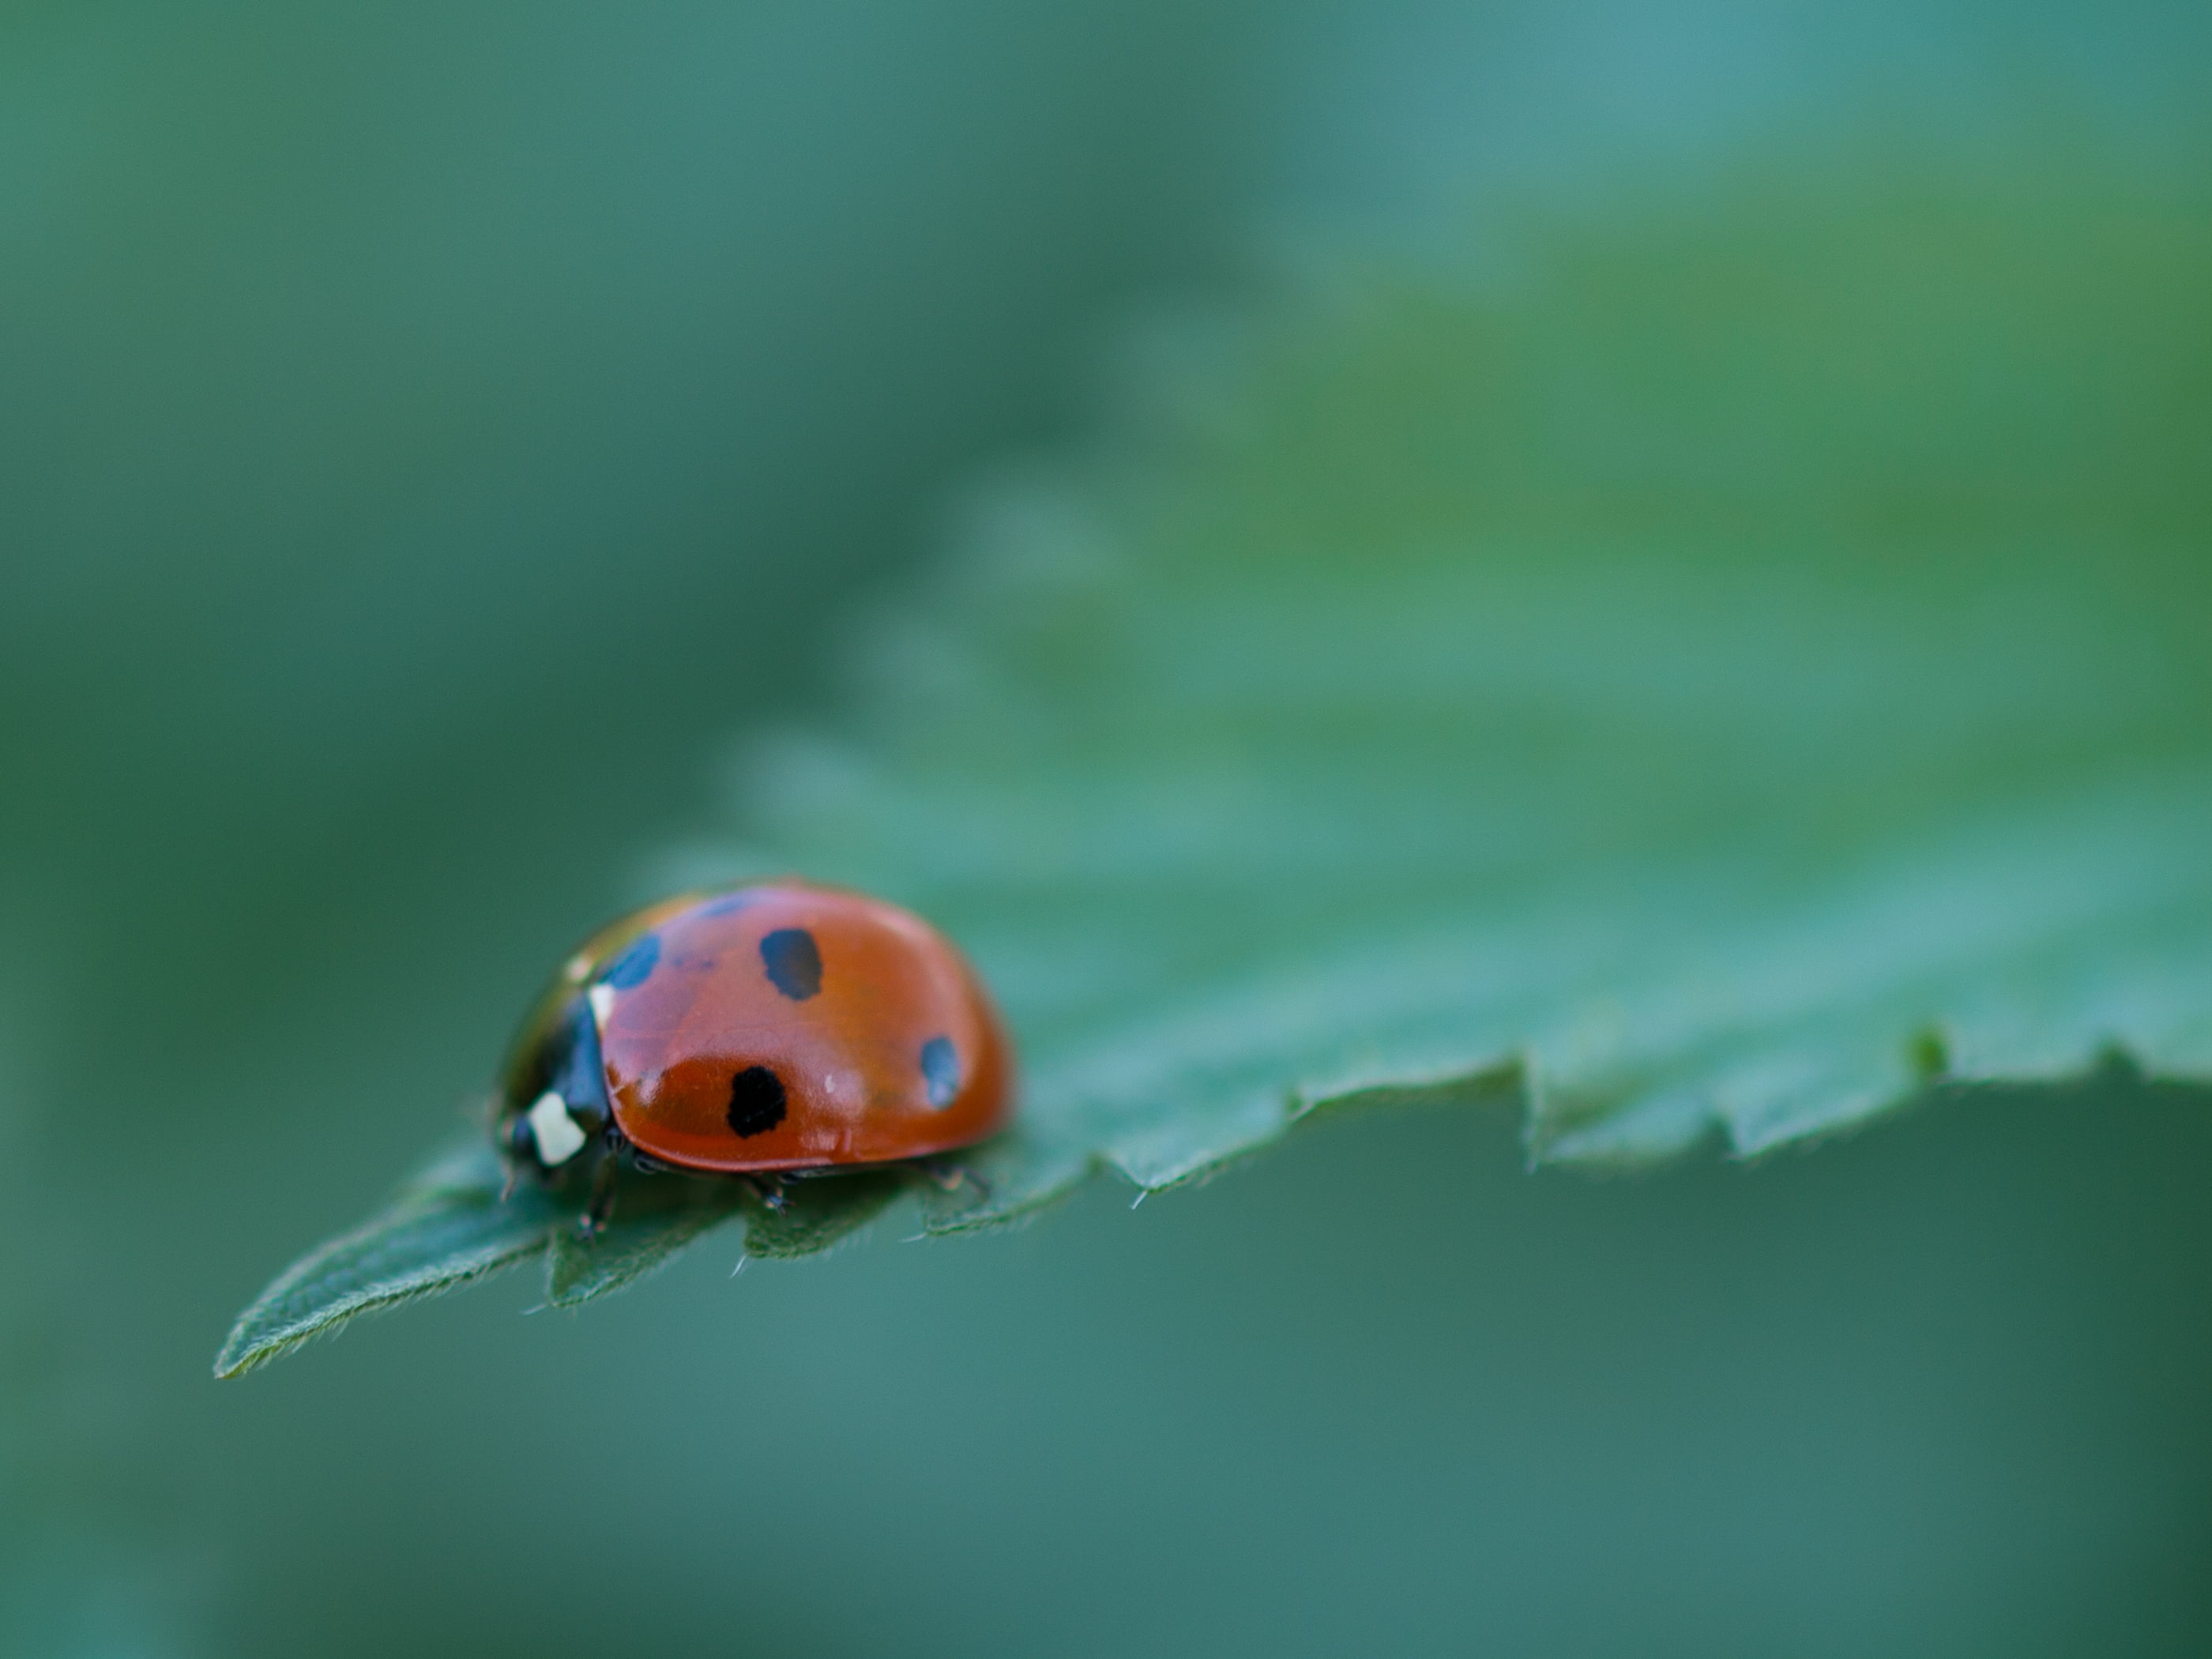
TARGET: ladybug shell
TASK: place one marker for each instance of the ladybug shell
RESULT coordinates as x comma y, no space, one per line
786,1026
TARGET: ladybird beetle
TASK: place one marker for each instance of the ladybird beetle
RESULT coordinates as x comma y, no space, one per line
771,1029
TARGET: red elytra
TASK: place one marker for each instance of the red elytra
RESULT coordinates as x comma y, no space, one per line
783,1026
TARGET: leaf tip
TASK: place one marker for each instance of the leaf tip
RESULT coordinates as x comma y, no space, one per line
240,1354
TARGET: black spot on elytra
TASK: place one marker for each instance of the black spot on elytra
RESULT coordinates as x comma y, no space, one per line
940,1070
633,966
756,1102
794,962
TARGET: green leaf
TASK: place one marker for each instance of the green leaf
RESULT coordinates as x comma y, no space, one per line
1748,661
819,1212
657,1217
578,1268
447,1226
653,1218
1707,677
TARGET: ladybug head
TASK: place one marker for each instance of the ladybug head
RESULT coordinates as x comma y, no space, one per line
552,1132
555,1107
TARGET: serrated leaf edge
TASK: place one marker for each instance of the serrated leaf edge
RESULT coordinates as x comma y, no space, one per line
239,1356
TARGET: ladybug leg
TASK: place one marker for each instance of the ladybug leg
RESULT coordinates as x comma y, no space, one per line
951,1177
518,1147
601,1204
768,1188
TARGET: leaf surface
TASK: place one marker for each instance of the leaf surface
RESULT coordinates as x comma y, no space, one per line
1729,669
650,1224
447,1227
1749,662
655,1219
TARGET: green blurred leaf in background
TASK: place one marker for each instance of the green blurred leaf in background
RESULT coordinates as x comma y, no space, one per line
1744,660
1735,669
426,431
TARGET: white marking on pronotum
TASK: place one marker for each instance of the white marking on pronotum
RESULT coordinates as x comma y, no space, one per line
603,1002
558,1138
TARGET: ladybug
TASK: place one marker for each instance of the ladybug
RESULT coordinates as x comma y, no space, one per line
771,1029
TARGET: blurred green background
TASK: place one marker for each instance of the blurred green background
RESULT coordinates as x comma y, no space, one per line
429,436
